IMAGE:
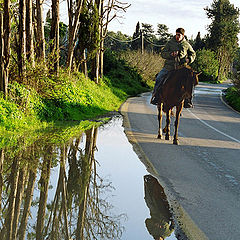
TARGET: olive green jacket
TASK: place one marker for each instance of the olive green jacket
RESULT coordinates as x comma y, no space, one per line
185,51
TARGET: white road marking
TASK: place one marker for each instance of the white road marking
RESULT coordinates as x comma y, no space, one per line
208,125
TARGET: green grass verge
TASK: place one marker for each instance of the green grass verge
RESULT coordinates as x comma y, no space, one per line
69,99
233,98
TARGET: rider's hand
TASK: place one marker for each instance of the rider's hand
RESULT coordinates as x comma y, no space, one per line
174,54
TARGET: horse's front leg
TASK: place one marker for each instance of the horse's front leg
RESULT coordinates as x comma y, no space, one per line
167,127
178,112
160,121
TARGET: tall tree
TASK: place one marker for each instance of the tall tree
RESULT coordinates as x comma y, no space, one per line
96,61
223,33
108,10
163,34
198,43
149,37
88,36
136,44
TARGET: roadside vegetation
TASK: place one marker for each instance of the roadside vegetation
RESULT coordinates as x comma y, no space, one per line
218,53
67,97
45,84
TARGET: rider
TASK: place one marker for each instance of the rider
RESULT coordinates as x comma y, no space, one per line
176,52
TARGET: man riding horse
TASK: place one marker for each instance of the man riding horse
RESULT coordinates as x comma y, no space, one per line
177,52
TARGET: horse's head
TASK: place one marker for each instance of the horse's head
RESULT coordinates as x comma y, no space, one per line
195,77
190,80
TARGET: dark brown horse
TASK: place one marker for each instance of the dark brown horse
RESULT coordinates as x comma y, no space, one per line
178,86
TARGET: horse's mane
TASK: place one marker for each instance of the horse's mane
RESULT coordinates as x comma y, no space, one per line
179,75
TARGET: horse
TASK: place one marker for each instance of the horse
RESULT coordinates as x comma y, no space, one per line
178,86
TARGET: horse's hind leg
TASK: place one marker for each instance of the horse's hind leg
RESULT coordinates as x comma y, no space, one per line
178,112
167,135
159,121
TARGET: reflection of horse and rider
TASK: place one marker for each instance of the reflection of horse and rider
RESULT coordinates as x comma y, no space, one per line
177,53
160,224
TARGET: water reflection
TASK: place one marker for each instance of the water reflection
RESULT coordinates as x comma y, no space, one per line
160,225
55,190
69,206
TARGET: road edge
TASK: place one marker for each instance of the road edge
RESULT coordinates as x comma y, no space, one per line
183,220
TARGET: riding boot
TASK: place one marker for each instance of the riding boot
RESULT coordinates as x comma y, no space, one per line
156,96
155,99
188,103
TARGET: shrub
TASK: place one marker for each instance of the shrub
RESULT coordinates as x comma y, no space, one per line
206,63
120,75
147,64
233,98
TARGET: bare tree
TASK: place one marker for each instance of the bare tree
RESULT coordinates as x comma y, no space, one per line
108,10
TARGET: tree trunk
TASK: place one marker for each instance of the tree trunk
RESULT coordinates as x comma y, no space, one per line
54,35
22,38
85,69
101,57
101,30
97,61
29,32
96,67
40,45
5,46
73,32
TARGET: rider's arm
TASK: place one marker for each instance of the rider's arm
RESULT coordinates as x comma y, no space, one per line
166,53
191,54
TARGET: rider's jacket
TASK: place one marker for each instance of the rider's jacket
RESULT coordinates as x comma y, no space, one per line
185,51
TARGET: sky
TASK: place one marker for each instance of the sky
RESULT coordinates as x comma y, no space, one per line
188,14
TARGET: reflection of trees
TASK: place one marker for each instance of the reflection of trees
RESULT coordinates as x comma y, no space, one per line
43,184
160,224
13,181
76,211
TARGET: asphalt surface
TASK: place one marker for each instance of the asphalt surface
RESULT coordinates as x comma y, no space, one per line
201,176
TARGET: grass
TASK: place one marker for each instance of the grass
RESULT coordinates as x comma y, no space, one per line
42,102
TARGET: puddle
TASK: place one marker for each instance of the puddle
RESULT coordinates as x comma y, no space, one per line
92,187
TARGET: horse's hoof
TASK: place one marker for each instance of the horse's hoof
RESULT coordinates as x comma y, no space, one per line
166,137
159,136
164,130
175,141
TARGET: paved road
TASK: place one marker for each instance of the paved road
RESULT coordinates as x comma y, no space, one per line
202,174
